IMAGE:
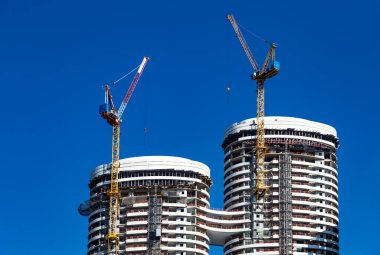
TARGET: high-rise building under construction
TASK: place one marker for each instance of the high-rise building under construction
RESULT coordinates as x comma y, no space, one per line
300,212
164,201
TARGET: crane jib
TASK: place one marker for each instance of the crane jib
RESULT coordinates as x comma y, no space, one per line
128,95
132,87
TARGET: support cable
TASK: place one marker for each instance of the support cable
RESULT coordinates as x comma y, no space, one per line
124,76
254,34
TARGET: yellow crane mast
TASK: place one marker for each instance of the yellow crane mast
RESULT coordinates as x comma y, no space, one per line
108,112
260,75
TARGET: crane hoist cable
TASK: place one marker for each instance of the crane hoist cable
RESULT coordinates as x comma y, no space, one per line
113,117
260,75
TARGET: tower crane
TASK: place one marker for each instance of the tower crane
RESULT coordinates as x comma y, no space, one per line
260,75
113,117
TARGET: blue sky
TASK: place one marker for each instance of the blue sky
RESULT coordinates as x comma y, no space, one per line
56,55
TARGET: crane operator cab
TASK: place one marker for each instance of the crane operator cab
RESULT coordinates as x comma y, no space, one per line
107,110
110,116
269,73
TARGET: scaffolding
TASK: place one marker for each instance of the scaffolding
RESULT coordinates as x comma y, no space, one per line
154,223
285,203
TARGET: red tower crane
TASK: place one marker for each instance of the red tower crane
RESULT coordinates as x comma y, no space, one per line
113,117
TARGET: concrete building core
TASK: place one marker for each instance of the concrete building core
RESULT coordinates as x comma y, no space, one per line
165,201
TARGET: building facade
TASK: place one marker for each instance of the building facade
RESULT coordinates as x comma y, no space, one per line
165,206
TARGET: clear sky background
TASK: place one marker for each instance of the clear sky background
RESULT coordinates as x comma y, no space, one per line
56,55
